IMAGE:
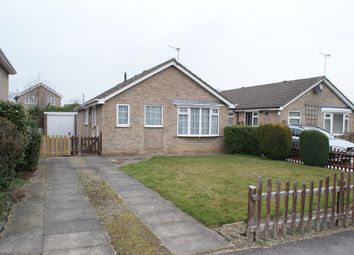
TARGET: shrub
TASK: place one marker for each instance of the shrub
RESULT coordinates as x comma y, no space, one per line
16,114
314,148
240,139
32,151
274,141
12,143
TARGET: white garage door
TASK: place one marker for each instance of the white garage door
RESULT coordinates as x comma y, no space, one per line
60,124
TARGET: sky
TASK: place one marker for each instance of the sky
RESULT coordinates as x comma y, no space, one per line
83,47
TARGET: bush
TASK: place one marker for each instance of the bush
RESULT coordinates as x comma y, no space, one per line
275,141
314,148
17,115
32,151
12,143
240,139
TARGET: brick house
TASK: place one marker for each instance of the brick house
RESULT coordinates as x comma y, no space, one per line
5,70
313,101
166,109
39,95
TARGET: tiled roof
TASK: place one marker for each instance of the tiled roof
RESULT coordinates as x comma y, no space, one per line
271,95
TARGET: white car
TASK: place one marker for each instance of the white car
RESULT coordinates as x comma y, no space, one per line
334,142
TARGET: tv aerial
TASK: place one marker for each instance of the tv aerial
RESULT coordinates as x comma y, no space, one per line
325,62
177,49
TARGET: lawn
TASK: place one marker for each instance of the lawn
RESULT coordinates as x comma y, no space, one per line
213,189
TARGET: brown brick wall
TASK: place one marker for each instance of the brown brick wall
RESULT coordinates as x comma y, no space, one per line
137,139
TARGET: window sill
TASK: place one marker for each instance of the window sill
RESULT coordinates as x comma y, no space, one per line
123,126
198,136
153,126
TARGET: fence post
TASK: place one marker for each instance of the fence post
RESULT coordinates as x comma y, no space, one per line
334,196
318,206
347,197
259,207
268,207
325,210
286,205
340,200
293,212
277,207
302,207
250,214
309,222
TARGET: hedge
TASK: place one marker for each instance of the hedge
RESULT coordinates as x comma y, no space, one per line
275,141
241,139
314,148
12,143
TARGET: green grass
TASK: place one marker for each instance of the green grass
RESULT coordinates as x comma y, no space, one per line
213,189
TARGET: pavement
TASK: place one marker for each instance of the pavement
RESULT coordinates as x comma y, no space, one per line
341,243
55,217
177,231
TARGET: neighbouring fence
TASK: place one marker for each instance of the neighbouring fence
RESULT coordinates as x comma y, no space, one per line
58,146
275,212
341,160
55,146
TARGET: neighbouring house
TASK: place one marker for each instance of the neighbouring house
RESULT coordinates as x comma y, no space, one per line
313,101
39,95
5,70
166,109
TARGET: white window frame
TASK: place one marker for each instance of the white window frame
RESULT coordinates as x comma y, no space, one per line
153,126
86,117
295,118
345,117
117,116
49,101
93,117
254,115
30,102
200,121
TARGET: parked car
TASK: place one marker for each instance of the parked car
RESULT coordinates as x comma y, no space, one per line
334,142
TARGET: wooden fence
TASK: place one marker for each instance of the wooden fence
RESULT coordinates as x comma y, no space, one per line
55,146
281,212
340,160
86,145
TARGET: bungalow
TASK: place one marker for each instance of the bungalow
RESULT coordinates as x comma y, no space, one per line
166,109
312,101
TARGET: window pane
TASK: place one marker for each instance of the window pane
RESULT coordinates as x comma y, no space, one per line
183,124
214,125
248,120
337,123
123,114
194,121
328,125
294,114
183,110
294,122
255,121
153,115
205,121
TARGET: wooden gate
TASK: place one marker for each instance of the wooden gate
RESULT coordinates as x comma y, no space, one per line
55,146
86,145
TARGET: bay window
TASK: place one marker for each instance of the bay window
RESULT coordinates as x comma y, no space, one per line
336,123
194,121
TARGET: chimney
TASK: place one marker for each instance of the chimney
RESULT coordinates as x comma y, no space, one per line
125,76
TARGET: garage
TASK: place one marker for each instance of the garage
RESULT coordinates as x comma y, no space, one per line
60,123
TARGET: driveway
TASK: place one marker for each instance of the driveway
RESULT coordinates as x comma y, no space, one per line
55,217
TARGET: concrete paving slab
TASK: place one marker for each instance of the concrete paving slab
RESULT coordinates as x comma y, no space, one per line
24,242
70,214
74,240
164,217
92,250
136,193
147,208
67,205
72,226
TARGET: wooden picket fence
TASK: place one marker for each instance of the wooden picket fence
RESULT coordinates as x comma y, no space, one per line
55,146
340,160
282,212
